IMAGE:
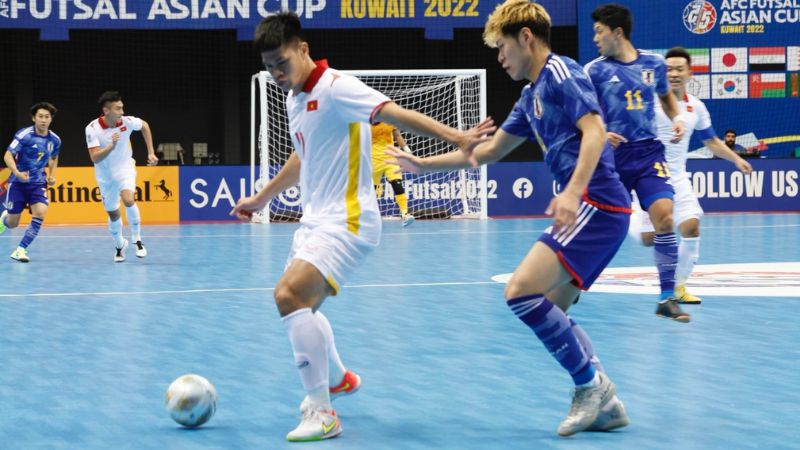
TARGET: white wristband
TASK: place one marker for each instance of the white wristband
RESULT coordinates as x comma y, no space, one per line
407,149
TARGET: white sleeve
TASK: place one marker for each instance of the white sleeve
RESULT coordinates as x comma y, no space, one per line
134,122
355,101
92,139
703,117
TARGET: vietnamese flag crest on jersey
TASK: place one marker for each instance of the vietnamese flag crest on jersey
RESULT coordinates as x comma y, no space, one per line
312,105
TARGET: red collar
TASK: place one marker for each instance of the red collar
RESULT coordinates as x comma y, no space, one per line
315,75
103,123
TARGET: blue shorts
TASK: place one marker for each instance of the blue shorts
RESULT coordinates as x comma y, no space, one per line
586,248
642,167
21,195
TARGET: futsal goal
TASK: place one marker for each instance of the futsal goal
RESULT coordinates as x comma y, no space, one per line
454,97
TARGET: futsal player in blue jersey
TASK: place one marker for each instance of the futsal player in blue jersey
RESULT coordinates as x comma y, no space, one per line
559,109
628,82
32,149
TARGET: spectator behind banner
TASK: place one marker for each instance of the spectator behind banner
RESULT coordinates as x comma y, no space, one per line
730,141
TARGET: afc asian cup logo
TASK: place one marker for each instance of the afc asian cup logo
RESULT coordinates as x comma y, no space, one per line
699,16
537,107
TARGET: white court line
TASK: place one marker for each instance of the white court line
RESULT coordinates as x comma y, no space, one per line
204,291
412,233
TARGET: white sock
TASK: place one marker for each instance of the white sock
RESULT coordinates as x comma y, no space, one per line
310,354
135,221
688,254
115,227
335,367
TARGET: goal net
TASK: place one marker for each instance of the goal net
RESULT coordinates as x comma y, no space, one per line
454,97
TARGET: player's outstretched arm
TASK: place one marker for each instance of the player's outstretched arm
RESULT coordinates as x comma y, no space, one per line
147,134
423,125
720,150
488,152
286,178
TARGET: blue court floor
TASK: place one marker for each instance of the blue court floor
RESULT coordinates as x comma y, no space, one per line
88,347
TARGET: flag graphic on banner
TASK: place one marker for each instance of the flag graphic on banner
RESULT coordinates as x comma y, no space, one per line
767,85
700,60
700,86
792,58
793,84
729,59
767,59
727,86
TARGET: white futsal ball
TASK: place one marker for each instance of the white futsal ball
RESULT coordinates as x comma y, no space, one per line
191,400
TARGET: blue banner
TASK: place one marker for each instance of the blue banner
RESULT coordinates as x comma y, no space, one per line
525,189
438,17
745,59
208,193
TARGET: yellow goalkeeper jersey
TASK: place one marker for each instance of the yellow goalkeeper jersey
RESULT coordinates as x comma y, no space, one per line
381,137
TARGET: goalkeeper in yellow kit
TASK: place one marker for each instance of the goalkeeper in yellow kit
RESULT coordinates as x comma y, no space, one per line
384,135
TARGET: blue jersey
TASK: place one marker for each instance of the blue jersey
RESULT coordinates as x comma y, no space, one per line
32,153
628,93
548,110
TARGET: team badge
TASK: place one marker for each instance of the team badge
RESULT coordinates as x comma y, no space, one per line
649,76
123,129
537,107
312,105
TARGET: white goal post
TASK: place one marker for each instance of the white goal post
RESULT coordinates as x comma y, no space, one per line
454,97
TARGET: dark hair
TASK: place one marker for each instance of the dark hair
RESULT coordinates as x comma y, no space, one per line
276,30
679,52
615,16
43,105
730,130
108,97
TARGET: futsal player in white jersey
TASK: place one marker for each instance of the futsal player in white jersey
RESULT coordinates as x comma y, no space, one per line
329,122
108,139
686,209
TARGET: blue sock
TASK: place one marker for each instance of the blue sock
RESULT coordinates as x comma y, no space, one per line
553,328
31,232
666,247
586,343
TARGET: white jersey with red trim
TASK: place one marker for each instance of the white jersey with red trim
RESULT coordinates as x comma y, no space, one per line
119,162
329,124
696,117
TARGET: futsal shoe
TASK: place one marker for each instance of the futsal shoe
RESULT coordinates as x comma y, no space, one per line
119,256
141,252
408,219
685,297
670,309
2,221
350,384
317,424
21,255
586,405
612,416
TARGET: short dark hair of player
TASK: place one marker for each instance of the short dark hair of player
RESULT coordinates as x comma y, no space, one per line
43,105
108,97
679,52
730,130
615,16
276,30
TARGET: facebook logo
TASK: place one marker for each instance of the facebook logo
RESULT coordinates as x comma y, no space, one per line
522,188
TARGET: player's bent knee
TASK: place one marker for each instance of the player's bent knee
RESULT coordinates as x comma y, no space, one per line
647,239
287,300
12,220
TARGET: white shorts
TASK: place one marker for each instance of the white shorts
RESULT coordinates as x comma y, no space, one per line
333,250
111,189
684,207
